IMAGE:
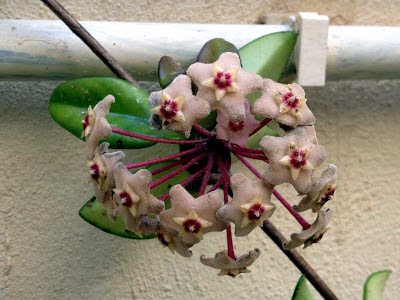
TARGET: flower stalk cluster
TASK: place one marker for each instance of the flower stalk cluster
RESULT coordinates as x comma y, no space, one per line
223,199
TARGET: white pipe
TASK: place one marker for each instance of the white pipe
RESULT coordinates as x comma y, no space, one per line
363,52
48,50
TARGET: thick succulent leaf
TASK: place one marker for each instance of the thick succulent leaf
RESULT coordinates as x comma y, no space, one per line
94,212
168,69
301,291
374,285
254,141
131,110
212,50
268,55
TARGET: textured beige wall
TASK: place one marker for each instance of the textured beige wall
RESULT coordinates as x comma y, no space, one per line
47,251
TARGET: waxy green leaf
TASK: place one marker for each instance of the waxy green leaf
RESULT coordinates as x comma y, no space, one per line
301,291
131,110
168,70
212,50
374,285
269,55
94,212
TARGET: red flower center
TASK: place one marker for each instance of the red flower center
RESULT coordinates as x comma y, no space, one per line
298,158
222,80
235,127
255,212
85,122
191,225
161,238
126,199
328,196
290,100
95,172
169,109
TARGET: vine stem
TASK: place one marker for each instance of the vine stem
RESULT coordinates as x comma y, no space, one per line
298,260
268,227
231,252
90,41
217,184
185,182
296,215
177,171
253,156
203,131
157,140
239,149
262,124
165,158
206,177
171,165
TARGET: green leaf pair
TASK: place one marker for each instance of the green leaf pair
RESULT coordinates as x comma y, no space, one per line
373,287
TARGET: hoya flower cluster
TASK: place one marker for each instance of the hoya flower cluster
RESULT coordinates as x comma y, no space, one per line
223,199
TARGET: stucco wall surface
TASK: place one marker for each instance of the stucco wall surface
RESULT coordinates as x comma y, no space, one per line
48,252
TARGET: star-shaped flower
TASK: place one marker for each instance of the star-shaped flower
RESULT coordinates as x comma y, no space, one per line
224,84
176,108
174,243
96,126
311,235
191,217
133,193
296,159
250,205
102,176
322,190
237,133
229,266
102,166
292,159
140,224
284,103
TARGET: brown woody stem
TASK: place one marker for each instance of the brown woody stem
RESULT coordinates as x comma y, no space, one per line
298,260
90,41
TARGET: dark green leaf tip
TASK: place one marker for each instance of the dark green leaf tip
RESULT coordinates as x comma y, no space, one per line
168,70
375,284
94,213
268,56
301,291
213,49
